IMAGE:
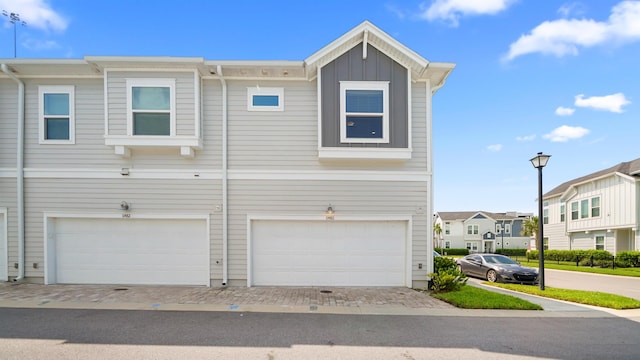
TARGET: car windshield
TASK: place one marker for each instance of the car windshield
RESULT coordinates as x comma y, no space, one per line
499,260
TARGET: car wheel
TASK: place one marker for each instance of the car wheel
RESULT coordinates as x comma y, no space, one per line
492,276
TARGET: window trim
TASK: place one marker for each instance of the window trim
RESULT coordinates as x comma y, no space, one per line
595,207
584,209
604,242
56,89
142,82
575,213
563,210
268,91
364,85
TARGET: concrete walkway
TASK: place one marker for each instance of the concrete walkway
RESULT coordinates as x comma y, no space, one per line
326,300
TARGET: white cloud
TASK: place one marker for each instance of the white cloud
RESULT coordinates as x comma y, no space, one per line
613,103
526,138
563,111
452,10
38,45
564,36
565,133
494,147
571,8
36,13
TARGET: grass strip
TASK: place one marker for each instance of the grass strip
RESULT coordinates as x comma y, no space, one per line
470,297
549,264
594,298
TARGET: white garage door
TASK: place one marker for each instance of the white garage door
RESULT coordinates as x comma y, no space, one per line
131,251
328,253
3,246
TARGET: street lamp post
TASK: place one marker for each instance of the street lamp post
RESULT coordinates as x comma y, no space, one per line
502,232
14,18
540,161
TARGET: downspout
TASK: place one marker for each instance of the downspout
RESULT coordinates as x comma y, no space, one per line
225,212
19,171
429,127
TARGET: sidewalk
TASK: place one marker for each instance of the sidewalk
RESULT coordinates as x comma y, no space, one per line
322,300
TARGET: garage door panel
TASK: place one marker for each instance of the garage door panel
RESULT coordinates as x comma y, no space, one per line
128,251
323,253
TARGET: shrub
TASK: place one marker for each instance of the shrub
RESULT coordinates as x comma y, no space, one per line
444,264
446,276
462,251
573,255
512,252
447,280
628,259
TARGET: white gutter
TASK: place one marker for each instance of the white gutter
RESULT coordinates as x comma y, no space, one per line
225,200
19,171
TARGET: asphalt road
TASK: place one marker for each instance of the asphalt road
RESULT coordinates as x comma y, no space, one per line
620,285
109,334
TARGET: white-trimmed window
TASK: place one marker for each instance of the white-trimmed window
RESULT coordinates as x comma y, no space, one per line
447,228
584,208
498,228
595,206
151,107
472,229
574,210
265,99
56,114
599,242
507,228
562,213
364,111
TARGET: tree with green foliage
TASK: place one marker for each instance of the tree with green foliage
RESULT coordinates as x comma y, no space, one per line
437,230
530,228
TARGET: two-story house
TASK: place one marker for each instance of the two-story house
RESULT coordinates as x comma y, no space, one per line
481,231
187,171
596,211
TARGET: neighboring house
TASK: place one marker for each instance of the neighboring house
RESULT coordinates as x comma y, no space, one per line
481,231
597,211
186,171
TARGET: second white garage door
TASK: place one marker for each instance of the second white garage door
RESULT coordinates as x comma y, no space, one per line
328,253
131,251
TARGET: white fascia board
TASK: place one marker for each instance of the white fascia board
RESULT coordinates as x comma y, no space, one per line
113,173
335,175
364,153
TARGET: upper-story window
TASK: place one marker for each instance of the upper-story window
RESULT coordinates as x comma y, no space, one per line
151,107
447,228
507,228
574,210
498,228
265,99
57,114
595,206
545,216
364,112
562,212
472,229
584,208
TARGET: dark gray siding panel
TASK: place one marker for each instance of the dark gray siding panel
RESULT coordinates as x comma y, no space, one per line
376,67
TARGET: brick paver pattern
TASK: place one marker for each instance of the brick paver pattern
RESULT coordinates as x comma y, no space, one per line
279,296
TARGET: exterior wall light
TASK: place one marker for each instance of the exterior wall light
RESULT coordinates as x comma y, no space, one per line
124,206
329,214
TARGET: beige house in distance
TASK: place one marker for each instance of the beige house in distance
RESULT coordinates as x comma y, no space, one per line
187,171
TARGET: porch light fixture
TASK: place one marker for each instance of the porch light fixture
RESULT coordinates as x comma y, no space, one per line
538,162
124,206
329,214
124,171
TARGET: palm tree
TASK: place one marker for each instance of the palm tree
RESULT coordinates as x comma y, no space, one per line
437,230
530,228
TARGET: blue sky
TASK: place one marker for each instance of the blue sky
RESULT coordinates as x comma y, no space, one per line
551,76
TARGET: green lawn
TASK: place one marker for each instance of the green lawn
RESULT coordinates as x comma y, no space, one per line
548,264
470,297
577,296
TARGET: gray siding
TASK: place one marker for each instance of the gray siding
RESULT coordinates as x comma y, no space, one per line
185,99
311,197
8,123
376,67
100,196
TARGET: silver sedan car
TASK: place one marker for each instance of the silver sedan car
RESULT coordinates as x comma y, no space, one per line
497,268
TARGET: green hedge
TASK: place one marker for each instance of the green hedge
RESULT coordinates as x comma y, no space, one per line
628,259
572,255
451,252
512,252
